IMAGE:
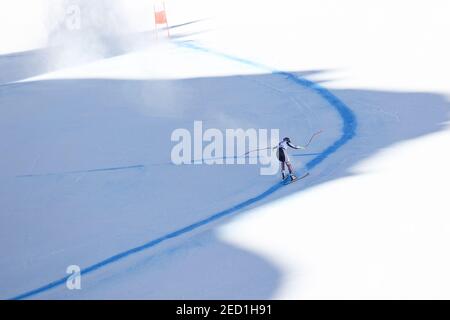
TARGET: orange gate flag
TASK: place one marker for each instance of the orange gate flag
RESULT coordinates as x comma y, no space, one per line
160,17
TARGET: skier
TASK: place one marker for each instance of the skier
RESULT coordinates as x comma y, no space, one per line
284,158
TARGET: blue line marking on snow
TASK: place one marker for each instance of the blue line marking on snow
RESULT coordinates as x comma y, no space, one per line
304,154
153,243
348,132
347,115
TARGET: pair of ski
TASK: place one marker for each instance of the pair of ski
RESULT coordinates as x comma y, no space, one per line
288,179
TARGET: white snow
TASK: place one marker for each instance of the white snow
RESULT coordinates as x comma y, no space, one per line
370,222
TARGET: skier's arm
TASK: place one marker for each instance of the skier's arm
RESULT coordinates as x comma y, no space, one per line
295,147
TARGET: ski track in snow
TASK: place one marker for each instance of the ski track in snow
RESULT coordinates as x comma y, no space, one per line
142,166
348,132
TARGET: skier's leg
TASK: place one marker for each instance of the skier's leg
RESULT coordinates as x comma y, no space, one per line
290,167
283,174
291,170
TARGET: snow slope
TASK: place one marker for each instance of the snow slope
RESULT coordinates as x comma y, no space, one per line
87,179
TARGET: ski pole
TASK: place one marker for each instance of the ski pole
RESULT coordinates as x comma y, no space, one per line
312,137
307,145
257,150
